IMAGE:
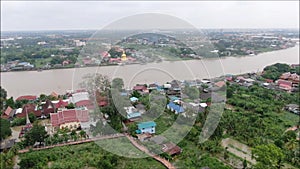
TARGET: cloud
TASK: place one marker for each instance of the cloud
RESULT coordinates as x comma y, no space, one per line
49,15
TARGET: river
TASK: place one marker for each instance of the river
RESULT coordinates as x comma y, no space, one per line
60,80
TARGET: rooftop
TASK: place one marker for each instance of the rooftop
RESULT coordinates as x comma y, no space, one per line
146,124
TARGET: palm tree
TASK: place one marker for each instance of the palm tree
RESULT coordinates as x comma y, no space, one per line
82,134
65,137
73,135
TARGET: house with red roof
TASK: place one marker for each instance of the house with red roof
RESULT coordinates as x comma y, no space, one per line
8,113
29,108
141,88
293,77
105,54
27,97
69,118
85,103
114,60
171,149
220,84
269,81
48,108
60,103
284,84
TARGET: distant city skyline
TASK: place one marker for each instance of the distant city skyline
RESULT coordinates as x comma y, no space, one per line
93,15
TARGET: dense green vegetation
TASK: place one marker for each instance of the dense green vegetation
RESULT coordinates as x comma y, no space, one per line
269,156
81,156
4,128
3,95
275,71
37,134
258,118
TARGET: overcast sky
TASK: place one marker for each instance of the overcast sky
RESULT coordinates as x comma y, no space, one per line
66,15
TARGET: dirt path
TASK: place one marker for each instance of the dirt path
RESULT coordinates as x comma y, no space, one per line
145,150
239,149
76,142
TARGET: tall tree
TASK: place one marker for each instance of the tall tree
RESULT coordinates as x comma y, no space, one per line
36,134
5,128
3,93
117,83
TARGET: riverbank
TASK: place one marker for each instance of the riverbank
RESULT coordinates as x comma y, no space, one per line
165,60
60,80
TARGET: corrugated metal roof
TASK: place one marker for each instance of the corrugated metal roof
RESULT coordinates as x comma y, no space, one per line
146,124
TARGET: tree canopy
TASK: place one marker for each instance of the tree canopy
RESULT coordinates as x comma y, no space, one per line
4,128
117,83
268,156
36,134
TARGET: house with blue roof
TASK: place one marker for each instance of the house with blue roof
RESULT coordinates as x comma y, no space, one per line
124,94
146,127
174,98
175,108
133,99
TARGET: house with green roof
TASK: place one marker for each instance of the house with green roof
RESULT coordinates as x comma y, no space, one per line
146,127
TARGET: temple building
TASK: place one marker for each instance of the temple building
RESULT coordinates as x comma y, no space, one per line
124,57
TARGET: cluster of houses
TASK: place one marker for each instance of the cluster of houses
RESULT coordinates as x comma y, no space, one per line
61,114
173,93
288,80
16,65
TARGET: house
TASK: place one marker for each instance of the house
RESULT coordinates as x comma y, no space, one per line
140,88
284,84
85,103
174,98
240,79
229,77
294,108
29,108
171,149
144,137
133,99
175,89
175,108
146,127
153,86
220,84
47,108
132,112
102,101
60,103
114,60
285,76
294,78
79,96
269,80
27,97
124,93
69,118
8,114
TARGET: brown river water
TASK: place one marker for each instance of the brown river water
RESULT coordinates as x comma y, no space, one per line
60,80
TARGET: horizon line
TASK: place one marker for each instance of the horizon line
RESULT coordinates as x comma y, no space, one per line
46,30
